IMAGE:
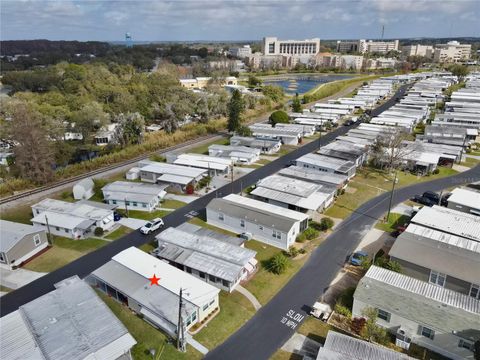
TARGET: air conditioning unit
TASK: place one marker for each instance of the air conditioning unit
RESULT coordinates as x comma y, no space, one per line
403,340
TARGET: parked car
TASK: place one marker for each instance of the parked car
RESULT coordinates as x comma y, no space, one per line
423,200
116,216
321,311
444,200
432,196
357,258
349,122
151,226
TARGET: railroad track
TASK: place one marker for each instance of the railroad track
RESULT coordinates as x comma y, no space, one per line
40,189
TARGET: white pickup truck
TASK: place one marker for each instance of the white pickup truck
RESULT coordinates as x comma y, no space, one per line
321,311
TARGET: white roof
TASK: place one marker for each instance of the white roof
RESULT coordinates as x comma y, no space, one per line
195,291
172,169
203,161
466,197
449,221
66,221
124,190
79,209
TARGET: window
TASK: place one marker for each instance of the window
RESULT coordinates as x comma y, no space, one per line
260,227
114,202
205,307
225,283
384,315
437,278
220,216
242,223
475,291
276,234
36,239
127,203
465,344
2,257
212,278
428,333
144,205
67,231
201,274
135,203
57,228
189,270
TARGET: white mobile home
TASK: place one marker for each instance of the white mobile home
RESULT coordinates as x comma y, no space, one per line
134,195
327,164
267,223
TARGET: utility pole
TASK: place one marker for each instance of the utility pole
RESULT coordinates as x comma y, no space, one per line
391,196
50,239
126,206
461,150
180,328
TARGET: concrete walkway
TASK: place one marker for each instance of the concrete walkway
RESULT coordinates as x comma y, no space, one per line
132,223
15,279
302,345
196,344
256,304
460,168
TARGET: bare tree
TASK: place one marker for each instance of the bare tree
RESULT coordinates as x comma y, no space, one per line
390,150
33,156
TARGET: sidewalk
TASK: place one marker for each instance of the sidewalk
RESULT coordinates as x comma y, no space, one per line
196,344
256,304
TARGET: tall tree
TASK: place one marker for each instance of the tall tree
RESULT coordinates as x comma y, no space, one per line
296,104
88,119
236,107
33,156
459,70
130,129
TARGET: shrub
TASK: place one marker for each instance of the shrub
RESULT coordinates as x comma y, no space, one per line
293,252
278,264
278,116
156,157
436,171
343,310
302,251
301,238
310,233
358,325
98,231
326,223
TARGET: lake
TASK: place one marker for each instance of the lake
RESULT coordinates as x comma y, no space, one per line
301,83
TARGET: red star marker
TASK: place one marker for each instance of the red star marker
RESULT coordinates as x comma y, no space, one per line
154,280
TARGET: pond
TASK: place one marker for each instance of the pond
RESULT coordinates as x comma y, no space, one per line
301,83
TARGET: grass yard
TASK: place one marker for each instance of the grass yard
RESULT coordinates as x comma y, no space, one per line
470,162
284,150
144,215
315,329
21,214
5,289
235,310
118,233
146,335
369,183
63,252
203,149
285,355
172,204
199,222
148,247
395,221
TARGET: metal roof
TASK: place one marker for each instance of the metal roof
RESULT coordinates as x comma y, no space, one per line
295,192
438,251
11,233
449,221
173,279
466,197
258,211
66,221
85,211
327,162
423,303
203,253
69,323
228,150
203,161
311,175
201,231
344,347
253,142
133,191
85,184
172,169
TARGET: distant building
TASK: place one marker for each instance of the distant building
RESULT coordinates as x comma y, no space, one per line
241,52
465,200
105,135
322,163
126,279
267,223
266,146
452,52
202,82
370,46
418,50
83,190
273,46
70,322
19,243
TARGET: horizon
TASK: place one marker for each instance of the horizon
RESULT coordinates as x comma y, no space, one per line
189,21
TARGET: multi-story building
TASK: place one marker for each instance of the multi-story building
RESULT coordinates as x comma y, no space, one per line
273,46
202,82
418,50
364,46
241,52
452,51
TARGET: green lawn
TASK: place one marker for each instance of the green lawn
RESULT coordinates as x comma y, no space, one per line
235,310
202,223
146,335
369,183
470,162
263,162
394,221
21,214
285,355
118,233
172,204
5,289
63,252
315,329
203,149
144,215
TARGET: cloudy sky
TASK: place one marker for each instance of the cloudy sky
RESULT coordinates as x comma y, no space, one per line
236,20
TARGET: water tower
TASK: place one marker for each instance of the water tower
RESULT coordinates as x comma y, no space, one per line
128,39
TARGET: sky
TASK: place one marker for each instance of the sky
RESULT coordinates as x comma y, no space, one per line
190,20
